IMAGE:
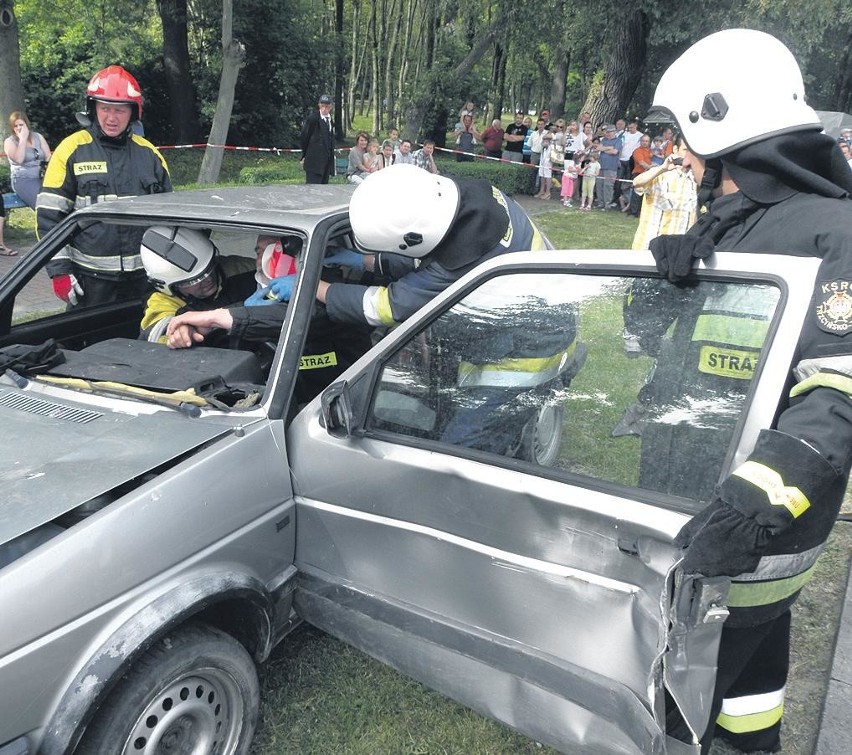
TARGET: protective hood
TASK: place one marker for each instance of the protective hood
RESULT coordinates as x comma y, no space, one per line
57,455
479,225
774,169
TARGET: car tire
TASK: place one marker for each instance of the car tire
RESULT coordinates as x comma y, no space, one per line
195,691
543,436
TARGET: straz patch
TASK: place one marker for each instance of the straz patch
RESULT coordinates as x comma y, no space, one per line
83,169
730,363
834,306
318,361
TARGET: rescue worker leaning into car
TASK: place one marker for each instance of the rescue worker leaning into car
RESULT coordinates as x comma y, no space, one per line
422,232
102,161
772,183
190,276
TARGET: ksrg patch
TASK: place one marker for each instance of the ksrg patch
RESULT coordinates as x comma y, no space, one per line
834,306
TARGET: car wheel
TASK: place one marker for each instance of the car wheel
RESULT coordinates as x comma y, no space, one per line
194,692
543,435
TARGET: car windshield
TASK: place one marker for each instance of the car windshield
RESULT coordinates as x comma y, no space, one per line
111,329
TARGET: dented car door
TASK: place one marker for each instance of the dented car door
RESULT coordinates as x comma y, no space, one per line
487,502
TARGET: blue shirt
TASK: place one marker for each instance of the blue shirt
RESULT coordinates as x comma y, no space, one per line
608,161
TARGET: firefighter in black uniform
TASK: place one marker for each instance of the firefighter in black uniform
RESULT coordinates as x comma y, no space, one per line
103,161
774,183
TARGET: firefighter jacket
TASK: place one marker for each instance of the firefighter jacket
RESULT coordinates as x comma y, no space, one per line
330,347
488,224
794,481
89,167
704,370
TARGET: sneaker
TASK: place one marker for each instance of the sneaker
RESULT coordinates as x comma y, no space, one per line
611,206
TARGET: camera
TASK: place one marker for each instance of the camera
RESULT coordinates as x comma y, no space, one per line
677,161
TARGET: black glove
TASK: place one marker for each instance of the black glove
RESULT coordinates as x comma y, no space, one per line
675,254
720,541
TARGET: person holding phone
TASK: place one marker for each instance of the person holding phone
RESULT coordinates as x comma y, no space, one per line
669,198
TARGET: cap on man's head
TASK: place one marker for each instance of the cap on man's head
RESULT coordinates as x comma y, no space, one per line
325,99
609,127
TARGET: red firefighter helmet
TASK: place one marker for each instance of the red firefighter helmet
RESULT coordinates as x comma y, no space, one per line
116,85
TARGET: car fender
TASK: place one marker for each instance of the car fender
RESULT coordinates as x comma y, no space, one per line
109,659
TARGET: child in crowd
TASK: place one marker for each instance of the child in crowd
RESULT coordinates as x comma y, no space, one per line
569,177
545,167
373,158
590,173
658,152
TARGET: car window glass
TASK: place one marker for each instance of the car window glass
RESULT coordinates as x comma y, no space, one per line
629,381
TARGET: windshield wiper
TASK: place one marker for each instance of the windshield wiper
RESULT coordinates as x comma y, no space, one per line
185,402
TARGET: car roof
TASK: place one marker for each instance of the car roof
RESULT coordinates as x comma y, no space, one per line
299,205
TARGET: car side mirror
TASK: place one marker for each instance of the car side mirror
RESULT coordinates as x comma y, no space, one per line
337,413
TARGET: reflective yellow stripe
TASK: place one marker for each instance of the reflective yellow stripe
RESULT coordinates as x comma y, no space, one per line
771,483
508,371
752,721
317,361
737,331
537,243
840,383
383,306
749,594
732,363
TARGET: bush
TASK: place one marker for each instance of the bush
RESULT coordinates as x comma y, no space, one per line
258,167
510,179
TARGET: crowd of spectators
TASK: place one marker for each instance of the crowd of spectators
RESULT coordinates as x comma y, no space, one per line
585,165
369,156
561,152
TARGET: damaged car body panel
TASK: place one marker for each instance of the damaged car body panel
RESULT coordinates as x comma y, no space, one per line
470,501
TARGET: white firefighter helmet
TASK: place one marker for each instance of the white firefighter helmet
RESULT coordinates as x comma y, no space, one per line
176,256
733,88
403,209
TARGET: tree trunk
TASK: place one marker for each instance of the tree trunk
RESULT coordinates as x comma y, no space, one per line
390,55
11,89
557,83
183,105
608,97
843,79
418,108
340,67
498,82
233,58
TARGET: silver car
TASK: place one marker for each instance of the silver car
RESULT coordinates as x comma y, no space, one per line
168,516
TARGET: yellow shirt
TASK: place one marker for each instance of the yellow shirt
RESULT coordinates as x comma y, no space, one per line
669,205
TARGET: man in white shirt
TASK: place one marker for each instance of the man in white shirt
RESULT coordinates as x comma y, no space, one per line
630,141
403,156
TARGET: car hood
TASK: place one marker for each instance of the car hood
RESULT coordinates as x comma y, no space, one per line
56,455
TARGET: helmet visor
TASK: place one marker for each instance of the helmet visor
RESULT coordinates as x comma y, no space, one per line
202,285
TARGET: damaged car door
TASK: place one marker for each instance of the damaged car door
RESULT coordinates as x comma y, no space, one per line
543,590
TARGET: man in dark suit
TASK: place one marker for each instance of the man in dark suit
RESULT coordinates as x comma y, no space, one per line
317,142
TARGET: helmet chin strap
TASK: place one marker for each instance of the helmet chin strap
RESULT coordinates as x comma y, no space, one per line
711,181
